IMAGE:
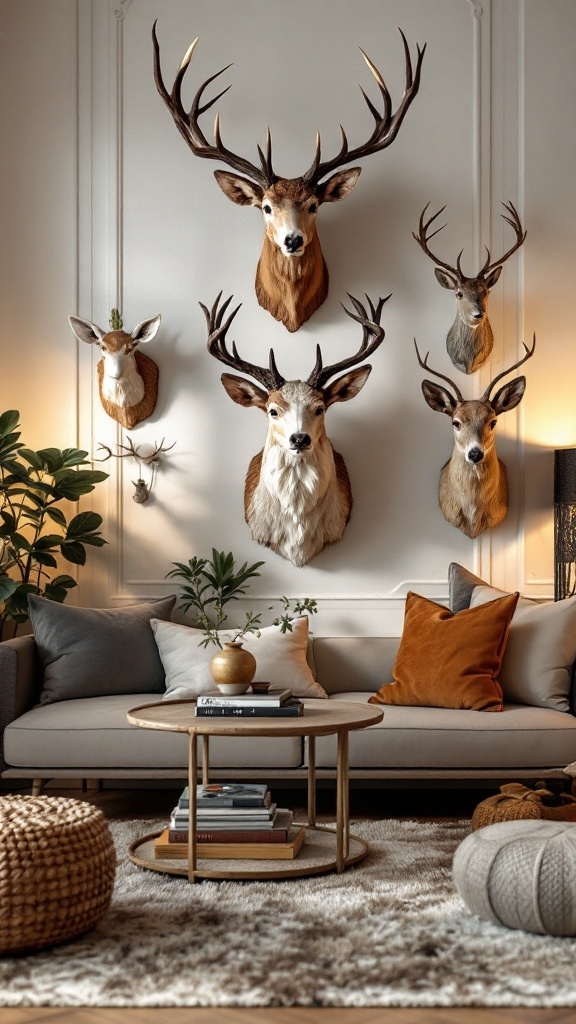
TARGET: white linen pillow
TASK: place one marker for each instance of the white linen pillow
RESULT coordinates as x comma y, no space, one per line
541,649
280,659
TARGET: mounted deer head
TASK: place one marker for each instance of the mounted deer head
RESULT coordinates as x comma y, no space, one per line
150,459
473,489
127,379
292,277
470,339
297,497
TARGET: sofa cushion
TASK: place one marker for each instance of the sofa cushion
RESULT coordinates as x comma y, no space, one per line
93,652
450,660
541,650
280,659
416,740
461,583
95,733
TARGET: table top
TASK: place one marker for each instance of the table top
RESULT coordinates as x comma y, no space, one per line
320,718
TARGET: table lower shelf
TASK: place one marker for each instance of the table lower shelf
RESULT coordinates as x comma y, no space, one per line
317,855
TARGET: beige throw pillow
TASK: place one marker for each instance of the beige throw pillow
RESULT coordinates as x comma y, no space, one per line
540,652
280,659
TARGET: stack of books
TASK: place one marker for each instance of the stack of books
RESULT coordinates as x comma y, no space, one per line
233,820
273,703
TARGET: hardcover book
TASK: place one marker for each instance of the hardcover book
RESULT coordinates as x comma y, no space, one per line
166,850
271,699
228,795
291,709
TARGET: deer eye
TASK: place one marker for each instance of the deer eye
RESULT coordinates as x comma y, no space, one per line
493,424
459,294
456,424
267,208
274,413
319,410
313,207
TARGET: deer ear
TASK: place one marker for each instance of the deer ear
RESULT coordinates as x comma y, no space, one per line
239,190
85,331
244,392
438,398
347,386
338,186
146,330
509,396
446,280
490,281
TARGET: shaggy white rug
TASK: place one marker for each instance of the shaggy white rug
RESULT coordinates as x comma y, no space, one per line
390,932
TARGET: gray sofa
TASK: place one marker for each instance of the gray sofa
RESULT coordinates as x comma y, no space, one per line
90,738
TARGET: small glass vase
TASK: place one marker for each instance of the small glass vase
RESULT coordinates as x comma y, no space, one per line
233,668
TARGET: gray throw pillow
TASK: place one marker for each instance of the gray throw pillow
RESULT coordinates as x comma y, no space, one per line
461,583
97,652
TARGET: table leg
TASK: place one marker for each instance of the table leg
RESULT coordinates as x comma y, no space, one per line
342,802
192,777
205,760
311,780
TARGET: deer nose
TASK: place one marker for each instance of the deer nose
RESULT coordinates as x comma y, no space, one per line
475,455
293,242
478,315
299,441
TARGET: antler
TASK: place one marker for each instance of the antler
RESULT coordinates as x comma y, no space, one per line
130,451
269,377
514,221
387,123
528,353
423,238
189,128
372,337
442,376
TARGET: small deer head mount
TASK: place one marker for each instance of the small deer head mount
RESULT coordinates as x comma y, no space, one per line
150,459
473,488
291,278
470,339
297,497
127,379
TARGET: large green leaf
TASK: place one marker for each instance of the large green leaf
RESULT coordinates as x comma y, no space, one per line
72,484
32,458
57,516
73,457
74,551
9,421
44,558
8,523
7,587
58,588
83,523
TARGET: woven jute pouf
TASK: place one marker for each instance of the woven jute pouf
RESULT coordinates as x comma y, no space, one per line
516,801
521,874
57,868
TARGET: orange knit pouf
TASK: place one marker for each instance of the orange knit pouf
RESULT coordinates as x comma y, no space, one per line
516,801
57,868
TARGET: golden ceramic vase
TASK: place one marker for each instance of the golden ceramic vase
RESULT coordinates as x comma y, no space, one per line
233,668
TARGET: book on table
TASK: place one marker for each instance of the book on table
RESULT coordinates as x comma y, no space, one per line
237,833
227,817
271,699
164,849
292,708
224,794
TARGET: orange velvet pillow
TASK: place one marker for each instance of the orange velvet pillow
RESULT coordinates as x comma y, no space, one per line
448,660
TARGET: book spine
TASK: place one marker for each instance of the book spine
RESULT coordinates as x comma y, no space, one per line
279,835
288,711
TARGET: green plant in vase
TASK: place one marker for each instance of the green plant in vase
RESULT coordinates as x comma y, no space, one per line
33,486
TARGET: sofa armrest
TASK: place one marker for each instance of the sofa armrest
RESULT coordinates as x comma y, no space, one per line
20,682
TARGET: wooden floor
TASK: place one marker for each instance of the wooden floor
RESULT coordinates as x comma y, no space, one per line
429,805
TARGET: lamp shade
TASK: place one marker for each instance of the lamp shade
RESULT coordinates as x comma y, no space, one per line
564,523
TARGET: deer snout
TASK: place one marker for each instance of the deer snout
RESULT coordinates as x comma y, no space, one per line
293,244
475,455
299,441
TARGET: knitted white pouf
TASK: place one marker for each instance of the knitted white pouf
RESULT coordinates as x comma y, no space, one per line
521,874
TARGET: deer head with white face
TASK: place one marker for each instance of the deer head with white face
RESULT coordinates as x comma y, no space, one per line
292,277
127,379
470,339
473,488
297,497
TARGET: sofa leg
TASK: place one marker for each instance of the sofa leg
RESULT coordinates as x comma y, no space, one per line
37,786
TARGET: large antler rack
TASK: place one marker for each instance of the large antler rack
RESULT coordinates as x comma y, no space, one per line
372,337
387,123
528,353
442,376
189,128
423,238
269,376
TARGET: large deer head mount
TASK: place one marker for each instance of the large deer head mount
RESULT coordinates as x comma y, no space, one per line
292,277
473,488
470,339
127,379
297,496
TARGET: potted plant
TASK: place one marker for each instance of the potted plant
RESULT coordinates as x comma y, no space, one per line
209,584
33,486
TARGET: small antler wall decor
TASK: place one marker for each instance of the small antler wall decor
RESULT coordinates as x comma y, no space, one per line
127,379
297,496
151,460
473,488
291,278
469,341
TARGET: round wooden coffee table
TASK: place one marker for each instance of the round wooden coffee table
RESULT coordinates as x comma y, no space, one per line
324,849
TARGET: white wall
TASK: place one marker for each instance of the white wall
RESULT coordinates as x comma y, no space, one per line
103,205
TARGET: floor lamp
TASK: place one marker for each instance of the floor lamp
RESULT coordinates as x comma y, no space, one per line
564,523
